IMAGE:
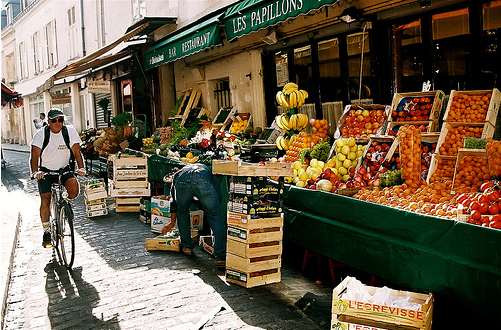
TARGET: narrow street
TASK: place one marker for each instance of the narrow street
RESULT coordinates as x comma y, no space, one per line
116,284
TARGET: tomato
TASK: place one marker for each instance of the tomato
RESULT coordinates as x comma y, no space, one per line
493,209
484,199
475,206
461,198
476,216
484,208
486,185
497,218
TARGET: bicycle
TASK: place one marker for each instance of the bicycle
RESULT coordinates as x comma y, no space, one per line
61,220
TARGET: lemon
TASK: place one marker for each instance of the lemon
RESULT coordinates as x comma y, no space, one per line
345,150
341,157
346,177
352,156
342,171
347,163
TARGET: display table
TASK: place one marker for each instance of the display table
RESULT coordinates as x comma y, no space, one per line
460,263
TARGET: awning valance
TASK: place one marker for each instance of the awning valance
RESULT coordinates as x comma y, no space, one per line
252,15
202,35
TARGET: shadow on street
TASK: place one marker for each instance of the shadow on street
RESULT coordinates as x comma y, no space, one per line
71,299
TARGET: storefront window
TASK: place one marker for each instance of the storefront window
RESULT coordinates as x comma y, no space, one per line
358,46
490,66
303,68
36,108
331,83
451,46
408,57
281,68
222,93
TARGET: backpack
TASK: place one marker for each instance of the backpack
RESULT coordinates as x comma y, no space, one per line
66,138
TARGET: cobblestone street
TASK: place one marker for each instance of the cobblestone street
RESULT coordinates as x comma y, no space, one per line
116,284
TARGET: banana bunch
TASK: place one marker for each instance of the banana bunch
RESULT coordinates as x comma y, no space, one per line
291,96
283,143
296,122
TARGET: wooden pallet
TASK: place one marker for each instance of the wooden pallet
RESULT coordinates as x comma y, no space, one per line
394,317
238,168
494,103
257,235
250,280
253,250
247,222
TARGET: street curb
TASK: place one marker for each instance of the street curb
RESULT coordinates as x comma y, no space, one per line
9,271
14,149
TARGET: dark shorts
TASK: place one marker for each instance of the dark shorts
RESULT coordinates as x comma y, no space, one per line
45,184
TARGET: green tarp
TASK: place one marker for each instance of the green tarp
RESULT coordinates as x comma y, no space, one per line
202,35
458,262
252,15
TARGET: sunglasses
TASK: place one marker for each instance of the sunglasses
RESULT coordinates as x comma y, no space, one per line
56,120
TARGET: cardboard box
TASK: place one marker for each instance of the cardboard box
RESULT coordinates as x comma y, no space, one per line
249,280
197,219
160,212
257,186
360,312
246,205
162,243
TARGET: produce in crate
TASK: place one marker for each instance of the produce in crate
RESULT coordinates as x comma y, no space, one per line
427,150
390,178
466,108
444,169
482,208
108,142
347,156
301,141
455,138
474,143
373,162
410,155
493,148
320,127
240,123
394,127
471,172
165,134
413,109
362,120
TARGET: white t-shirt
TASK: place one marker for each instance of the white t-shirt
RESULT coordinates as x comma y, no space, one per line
56,154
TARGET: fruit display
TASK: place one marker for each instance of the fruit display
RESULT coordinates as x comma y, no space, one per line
454,138
346,159
390,178
471,171
427,149
493,148
468,107
444,168
433,199
301,141
108,142
291,97
165,134
374,157
320,128
284,142
394,127
410,155
413,109
240,123
360,121
474,143
482,208
320,151
295,122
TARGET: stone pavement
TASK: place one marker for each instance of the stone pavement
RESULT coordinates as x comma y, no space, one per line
116,284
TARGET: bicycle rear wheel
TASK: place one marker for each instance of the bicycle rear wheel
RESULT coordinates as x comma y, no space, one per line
66,235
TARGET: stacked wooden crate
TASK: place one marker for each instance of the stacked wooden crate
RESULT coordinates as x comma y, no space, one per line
95,196
468,114
129,181
255,230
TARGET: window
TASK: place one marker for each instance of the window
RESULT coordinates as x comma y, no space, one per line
490,50
303,70
51,42
331,84
37,60
358,48
281,68
23,62
409,60
36,108
73,32
222,94
138,9
452,49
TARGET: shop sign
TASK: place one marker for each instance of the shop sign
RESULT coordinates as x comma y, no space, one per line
178,47
99,86
247,17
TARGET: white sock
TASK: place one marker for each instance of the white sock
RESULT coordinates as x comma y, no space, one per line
45,226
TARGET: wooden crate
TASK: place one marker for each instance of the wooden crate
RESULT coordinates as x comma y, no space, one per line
96,207
129,192
438,99
128,201
97,213
487,132
127,174
161,243
125,161
369,107
131,183
494,103
438,161
462,152
239,117
127,208
385,138
250,280
253,250
255,264
248,222
394,316
431,126
95,195
256,235
239,168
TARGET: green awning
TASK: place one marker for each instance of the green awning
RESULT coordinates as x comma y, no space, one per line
183,43
252,15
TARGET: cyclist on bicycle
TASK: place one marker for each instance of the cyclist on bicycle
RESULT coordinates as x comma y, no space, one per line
55,147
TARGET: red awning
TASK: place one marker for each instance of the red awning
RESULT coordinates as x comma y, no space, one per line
10,96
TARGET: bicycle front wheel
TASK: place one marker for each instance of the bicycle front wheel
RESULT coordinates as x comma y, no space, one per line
66,235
